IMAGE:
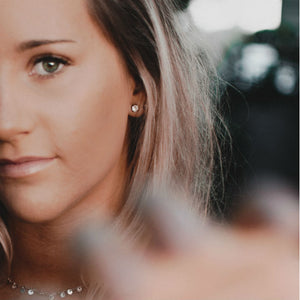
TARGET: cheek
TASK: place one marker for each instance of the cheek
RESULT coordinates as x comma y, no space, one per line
94,125
89,132
94,136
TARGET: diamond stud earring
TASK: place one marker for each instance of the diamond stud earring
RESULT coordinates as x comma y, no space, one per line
135,108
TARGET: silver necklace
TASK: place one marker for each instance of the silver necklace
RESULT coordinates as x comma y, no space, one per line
51,296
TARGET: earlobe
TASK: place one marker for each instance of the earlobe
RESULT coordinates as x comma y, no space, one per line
138,103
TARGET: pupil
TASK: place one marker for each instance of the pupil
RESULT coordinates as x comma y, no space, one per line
50,66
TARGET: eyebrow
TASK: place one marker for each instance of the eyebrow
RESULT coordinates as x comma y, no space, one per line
37,43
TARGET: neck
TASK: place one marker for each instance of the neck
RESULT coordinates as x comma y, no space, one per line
42,256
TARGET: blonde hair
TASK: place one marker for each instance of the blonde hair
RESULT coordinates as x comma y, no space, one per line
174,140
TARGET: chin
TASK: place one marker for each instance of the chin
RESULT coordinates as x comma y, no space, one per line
34,215
34,209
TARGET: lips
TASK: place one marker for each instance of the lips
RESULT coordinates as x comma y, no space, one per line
23,166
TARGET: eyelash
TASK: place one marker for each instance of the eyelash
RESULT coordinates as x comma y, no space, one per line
50,58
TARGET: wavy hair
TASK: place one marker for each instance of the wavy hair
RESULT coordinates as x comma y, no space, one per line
174,140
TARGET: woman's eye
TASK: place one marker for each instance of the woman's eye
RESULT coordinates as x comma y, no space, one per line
48,66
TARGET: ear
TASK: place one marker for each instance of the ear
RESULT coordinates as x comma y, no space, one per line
138,100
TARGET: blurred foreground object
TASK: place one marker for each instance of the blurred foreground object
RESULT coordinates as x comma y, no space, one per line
192,259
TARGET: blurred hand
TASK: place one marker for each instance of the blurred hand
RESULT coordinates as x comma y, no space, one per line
190,260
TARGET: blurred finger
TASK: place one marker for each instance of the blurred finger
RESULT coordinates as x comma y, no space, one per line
174,225
110,258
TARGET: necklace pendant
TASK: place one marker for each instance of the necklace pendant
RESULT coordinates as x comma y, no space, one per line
51,297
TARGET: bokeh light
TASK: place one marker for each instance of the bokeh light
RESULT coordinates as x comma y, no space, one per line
247,15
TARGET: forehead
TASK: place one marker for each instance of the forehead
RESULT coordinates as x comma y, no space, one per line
40,19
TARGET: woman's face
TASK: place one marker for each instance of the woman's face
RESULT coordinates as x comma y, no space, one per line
65,96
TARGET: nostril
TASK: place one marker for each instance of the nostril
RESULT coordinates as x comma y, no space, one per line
10,136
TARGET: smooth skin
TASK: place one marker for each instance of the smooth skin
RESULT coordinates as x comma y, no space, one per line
65,94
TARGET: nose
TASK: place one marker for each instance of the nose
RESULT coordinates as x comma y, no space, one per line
14,118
